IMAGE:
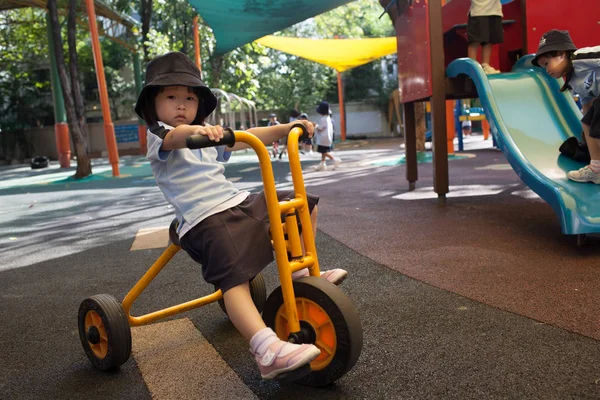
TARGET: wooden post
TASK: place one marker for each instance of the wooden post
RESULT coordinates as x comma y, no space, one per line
410,144
438,102
109,129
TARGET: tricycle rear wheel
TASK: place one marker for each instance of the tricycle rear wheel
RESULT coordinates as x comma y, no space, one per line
104,332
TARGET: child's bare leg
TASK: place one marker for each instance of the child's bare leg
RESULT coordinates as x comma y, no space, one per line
313,220
486,53
328,155
322,157
472,50
590,173
335,276
242,312
592,143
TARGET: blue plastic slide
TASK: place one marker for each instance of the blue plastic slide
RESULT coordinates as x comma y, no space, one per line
530,119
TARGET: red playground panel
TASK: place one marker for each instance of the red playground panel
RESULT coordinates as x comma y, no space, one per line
580,17
524,23
414,60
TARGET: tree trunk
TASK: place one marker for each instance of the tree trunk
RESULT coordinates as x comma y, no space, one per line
80,139
114,107
216,63
82,170
146,14
185,38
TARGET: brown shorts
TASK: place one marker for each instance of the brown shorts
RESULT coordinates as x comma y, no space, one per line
234,245
485,29
592,119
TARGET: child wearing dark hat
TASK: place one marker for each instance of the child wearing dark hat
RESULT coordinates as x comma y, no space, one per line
559,56
224,229
324,137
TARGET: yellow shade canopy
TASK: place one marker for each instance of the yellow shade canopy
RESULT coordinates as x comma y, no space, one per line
340,54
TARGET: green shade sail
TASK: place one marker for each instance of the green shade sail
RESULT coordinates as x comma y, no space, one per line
237,22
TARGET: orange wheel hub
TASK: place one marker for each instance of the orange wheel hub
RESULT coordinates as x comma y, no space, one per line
93,323
313,314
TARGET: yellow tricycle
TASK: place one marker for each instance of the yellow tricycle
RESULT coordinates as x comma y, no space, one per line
305,310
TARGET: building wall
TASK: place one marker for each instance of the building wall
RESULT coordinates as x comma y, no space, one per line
363,120
43,142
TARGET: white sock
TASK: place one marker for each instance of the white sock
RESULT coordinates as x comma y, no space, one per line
595,165
264,338
300,273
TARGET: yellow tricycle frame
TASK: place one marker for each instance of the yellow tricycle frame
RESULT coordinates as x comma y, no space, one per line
290,209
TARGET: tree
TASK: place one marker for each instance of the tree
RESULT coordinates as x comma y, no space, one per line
25,96
146,14
84,166
81,143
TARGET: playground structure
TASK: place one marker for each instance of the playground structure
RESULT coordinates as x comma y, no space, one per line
431,34
225,113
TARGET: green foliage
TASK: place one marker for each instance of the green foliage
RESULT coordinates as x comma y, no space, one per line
24,81
274,80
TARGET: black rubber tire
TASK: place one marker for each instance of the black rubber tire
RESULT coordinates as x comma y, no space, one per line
343,315
258,291
39,162
118,332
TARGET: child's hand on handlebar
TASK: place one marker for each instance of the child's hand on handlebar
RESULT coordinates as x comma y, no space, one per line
214,133
309,126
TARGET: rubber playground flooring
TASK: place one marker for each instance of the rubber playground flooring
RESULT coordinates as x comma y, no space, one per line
483,298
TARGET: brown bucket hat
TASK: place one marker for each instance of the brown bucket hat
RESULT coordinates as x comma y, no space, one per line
553,40
175,69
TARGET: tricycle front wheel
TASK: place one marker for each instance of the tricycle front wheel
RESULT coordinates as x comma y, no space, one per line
328,319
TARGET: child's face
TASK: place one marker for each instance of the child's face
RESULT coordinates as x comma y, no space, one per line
176,105
556,66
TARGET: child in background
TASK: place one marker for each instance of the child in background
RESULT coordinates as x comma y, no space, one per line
484,28
272,122
224,229
307,143
324,137
559,56
467,127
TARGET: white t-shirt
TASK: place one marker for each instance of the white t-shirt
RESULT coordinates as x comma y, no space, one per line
482,8
324,131
192,181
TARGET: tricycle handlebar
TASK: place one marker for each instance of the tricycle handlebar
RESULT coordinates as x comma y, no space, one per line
201,141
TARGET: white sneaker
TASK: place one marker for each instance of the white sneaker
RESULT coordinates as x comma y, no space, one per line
584,174
489,70
336,162
321,167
